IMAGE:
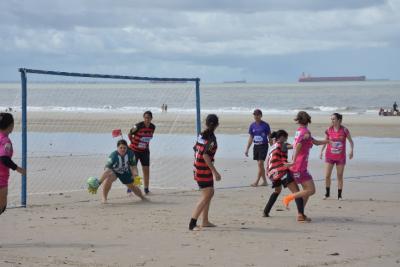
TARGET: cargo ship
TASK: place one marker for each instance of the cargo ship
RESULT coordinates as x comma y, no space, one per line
309,78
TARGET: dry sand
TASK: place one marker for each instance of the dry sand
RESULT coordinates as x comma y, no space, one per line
75,229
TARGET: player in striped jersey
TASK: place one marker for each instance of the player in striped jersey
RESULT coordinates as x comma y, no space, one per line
278,172
140,136
205,171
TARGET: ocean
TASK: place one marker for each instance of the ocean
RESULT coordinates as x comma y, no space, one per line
316,98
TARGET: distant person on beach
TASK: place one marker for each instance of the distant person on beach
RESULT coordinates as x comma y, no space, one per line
121,164
278,173
303,142
6,153
166,107
140,136
395,107
205,171
336,152
163,107
259,134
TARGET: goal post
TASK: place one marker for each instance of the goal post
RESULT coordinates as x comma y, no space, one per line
24,100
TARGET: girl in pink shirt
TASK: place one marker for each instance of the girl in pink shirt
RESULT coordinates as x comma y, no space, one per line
6,152
336,152
303,142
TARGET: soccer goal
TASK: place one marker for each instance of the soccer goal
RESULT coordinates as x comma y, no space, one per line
67,121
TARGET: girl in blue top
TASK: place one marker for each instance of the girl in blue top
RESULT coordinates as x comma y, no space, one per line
260,134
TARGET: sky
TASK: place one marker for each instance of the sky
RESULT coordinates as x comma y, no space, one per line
215,40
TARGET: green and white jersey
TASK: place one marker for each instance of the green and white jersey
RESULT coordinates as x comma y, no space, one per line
121,164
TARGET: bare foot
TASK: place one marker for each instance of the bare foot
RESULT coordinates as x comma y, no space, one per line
264,184
254,184
104,201
208,225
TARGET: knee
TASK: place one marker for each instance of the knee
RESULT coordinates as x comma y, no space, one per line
311,191
278,190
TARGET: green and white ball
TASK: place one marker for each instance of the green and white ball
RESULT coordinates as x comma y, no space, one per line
93,182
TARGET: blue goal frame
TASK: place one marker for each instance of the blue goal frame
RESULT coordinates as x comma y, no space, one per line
24,85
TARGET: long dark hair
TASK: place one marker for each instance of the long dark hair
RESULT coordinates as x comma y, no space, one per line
212,123
6,119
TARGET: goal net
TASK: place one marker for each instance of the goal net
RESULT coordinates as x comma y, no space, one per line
69,122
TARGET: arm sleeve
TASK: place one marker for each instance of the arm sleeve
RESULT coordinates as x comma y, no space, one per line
8,162
346,131
132,160
326,134
250,132
134,130
110,162
209,146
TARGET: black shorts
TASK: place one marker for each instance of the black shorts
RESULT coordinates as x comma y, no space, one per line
260,152
284,181
203,185
143,157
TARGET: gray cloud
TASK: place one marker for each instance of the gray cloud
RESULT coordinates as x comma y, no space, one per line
210,37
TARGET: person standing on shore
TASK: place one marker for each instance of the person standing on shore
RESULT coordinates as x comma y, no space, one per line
205,171
6,153
303,142
259,134
140,136
336,152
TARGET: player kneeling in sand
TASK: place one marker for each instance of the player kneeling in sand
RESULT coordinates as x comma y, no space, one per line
121,164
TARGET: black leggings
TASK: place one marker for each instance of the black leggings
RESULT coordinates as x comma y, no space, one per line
2,209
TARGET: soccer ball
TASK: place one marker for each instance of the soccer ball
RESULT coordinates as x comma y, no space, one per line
93,183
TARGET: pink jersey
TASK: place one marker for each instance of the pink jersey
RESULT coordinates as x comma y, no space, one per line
6,149
303,137
336,150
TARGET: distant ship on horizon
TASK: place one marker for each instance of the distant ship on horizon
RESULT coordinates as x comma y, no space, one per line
239,81
308,78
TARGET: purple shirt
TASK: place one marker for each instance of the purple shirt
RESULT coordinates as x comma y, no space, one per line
259,132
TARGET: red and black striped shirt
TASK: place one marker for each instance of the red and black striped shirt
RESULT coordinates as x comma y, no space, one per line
276,160
140,136
202,173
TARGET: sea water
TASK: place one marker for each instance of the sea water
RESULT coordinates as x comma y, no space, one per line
327,97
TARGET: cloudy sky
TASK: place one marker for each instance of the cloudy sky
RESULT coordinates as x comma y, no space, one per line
216,40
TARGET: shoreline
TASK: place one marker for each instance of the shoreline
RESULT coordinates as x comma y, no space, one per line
359,125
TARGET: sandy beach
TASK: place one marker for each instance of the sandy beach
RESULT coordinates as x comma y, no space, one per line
75,229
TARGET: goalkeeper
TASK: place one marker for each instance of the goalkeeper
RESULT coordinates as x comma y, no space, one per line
121,164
